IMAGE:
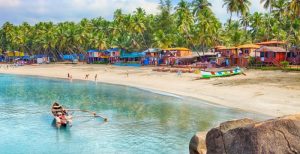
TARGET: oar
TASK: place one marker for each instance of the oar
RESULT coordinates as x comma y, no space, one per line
94,114
86,116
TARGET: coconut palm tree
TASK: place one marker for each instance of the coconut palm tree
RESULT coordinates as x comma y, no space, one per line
184,20
294,6
199,5
232,6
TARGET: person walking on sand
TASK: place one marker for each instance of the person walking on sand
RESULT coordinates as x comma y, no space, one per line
68,75
127,73
87,76
96,76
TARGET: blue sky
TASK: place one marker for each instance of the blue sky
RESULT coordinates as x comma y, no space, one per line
33,11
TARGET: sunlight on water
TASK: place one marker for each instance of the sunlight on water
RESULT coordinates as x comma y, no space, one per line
139,121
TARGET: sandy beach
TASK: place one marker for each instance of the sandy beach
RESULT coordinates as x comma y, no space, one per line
273,93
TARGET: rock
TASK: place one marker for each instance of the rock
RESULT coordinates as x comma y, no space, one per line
281,135
197,143
214,137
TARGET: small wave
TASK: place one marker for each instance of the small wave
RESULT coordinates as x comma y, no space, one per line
162,93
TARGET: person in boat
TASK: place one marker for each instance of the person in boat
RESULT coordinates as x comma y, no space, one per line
63,119
60,119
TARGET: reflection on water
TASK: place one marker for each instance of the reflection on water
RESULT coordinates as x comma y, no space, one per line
139,121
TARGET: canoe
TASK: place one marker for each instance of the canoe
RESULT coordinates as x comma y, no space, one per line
60,115
223,73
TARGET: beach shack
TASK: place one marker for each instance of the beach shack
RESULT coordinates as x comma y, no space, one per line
169,55
93,56
113,55
188,60
152,56
130,58
242,56
225,55
293,56
271,55
14,55
41,59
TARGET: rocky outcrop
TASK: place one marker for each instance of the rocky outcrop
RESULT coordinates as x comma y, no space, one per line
215,137
281,135
197,144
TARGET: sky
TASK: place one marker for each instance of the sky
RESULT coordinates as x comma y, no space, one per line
33,11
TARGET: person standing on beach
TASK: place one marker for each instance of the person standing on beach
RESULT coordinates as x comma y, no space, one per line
87,76
127,73
96,76
68,75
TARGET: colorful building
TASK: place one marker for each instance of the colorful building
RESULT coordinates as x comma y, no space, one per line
152,56
113,55
169,55
130,58
271,55
225,54
242,55
293,56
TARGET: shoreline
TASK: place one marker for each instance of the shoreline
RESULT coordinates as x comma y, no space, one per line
211,91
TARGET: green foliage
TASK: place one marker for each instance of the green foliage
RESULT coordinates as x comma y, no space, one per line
100,62
284,63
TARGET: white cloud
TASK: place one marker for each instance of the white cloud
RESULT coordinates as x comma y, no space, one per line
32,11
9,3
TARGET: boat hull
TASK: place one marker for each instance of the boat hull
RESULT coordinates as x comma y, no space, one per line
224,73
54,112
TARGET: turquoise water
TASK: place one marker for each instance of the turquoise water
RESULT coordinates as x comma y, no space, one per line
139,121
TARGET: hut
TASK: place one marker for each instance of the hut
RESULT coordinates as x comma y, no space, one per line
225,54
169,55
13,55
241,57
41,59
93,56
271,55
113,55
152,56
187,60
293,56
130,58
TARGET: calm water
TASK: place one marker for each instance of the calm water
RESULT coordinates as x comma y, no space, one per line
139,121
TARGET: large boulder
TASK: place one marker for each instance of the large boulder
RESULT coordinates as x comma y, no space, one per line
197,143
281,135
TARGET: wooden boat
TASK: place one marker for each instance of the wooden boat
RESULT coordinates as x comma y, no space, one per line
60,115
224,73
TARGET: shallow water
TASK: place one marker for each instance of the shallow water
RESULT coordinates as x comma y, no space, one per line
139,121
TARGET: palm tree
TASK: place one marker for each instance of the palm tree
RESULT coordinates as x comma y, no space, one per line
137,23
184,19
240,7
232,6
294,5
199,5
268,4
279,8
